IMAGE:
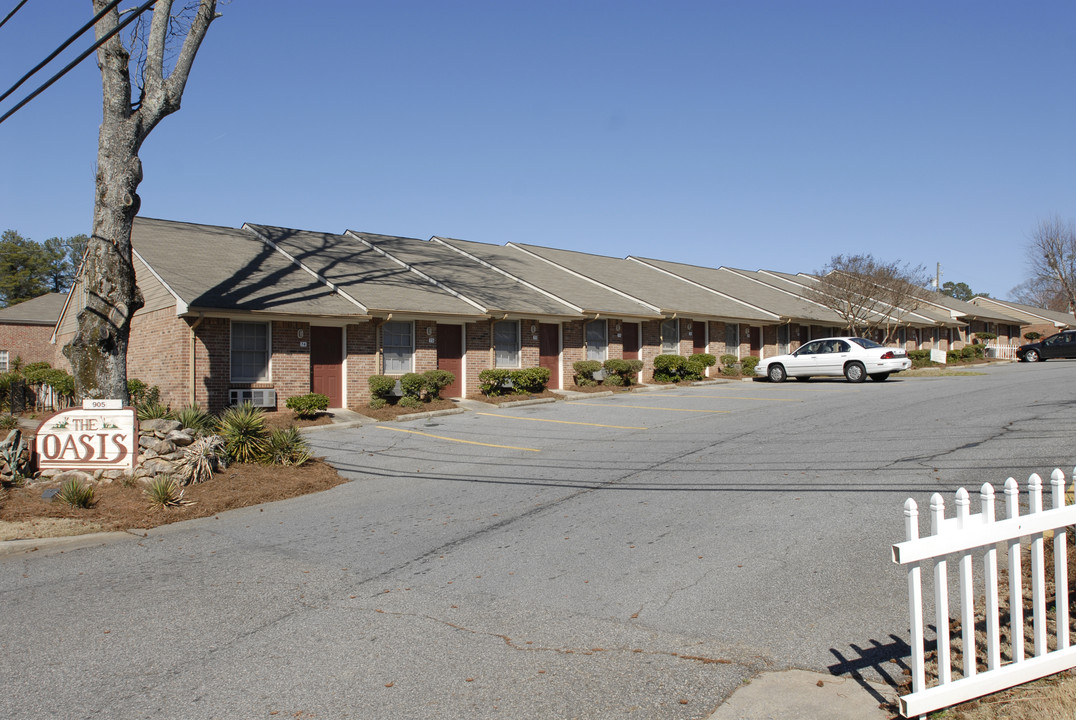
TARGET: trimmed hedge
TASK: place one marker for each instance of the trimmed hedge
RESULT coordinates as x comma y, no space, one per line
498,382
309,405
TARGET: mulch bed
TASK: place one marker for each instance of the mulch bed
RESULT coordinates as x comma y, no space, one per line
120,507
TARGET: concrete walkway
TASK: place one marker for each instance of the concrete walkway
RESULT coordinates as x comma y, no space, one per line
803,695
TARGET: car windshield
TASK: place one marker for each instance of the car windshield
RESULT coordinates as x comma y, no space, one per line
864,342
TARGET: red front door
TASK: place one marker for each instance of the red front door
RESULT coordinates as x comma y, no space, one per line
450,357
630,336
327,363
698,337
756,341
549,352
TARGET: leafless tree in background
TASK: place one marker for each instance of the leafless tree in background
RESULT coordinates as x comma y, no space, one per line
1051,255
98,352
870,296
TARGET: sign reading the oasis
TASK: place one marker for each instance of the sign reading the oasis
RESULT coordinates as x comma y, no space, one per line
100,434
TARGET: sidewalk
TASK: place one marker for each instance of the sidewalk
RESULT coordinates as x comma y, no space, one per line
803,695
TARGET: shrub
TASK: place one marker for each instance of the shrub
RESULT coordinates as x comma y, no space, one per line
530,380
730,371
412,384
985,336
669,368
435,381
728,360
381,386
377,403
140,393
244,432
287,447
407,401
8,422
747,365
163,492
621,372
1032,336
76,493
309,405
495,382
695,368
584,372
201,459
195,418
919,358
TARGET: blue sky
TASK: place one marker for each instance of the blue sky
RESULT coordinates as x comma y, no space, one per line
763,134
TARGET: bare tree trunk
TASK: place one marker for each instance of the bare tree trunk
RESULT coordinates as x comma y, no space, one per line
98,352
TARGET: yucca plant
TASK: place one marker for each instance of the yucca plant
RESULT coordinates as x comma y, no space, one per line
244,432
76,493
195,418
287,447
201,459
163,492
8,422
155,411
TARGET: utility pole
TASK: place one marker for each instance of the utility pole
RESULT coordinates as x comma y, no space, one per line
937,279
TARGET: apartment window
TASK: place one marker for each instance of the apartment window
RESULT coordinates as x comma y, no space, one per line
3,361
670,337
732,339
250,351
597,344
398,347
506,344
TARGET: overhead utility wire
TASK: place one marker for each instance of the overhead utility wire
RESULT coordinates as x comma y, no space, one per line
17,8
60,49
111,33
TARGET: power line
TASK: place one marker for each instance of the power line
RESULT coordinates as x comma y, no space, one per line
60,49
89,51
10,14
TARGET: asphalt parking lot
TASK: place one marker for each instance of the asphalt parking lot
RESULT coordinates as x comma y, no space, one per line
637,555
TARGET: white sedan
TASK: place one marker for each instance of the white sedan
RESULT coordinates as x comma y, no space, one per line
854,357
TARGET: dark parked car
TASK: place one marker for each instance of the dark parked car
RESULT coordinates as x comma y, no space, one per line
1062,345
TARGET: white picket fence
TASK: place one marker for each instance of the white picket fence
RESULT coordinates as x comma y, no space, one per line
1001,350
969,536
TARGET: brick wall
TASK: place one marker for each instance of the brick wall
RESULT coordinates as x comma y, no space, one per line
31,344
158,353
479,355
361,362
529,349
290,362
572,336
212,363
651,347
425,351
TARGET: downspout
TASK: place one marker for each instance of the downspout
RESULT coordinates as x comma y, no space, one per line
193,374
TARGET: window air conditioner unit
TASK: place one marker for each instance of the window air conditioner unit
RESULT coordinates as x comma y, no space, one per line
258,397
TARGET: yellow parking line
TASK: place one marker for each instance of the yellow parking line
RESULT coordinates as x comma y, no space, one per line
468,442
651,407
562,422
737,397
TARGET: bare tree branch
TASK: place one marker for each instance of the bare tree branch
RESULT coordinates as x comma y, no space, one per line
871,296
1051,254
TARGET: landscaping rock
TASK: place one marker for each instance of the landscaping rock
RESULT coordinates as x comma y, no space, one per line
159,425
162,447
180,438
158,466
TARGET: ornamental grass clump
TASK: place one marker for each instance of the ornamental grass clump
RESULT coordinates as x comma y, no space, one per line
287,447
246,437
76,493
164,492
195,418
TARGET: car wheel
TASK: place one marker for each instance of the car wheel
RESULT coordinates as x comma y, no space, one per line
855,372
880,377
776,373
1031,356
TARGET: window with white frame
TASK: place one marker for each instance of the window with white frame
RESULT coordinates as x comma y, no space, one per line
732,339
3,361
597,342
398,347
670,337
506,344
250,351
